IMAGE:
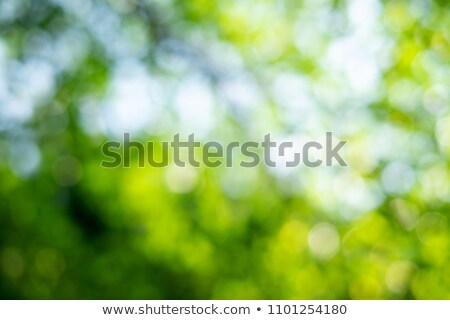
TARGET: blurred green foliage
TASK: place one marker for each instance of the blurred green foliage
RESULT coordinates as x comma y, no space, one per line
74,74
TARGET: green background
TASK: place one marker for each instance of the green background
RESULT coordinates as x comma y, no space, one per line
74,74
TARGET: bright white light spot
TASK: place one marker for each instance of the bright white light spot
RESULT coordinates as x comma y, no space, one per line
33,80
351,57
364,14
356,195
397,177
194,103
323,241
242,93
14,110
133,103
292,94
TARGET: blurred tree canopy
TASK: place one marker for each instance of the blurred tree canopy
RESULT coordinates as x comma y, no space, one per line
76,73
